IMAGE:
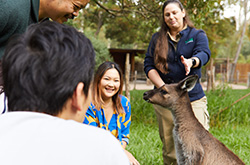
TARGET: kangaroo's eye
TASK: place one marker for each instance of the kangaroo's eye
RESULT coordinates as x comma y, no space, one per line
163,92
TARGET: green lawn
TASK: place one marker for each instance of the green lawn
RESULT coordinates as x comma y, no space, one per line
232,126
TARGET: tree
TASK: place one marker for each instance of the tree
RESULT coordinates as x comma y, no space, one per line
221,41
101,50
245,51
134,22
245,4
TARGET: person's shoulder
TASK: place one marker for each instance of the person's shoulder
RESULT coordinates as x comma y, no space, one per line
78,140
124,98
10,6
155,36
195,31
11,17
92,107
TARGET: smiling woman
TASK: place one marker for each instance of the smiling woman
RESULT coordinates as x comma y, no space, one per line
176,51
109,109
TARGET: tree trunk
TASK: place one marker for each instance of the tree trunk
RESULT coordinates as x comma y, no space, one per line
240,44
127,76
99,24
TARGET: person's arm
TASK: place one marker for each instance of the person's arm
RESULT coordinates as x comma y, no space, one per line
154,76
201,49
126,120
201,53
125,128
149,66
131,158
189,63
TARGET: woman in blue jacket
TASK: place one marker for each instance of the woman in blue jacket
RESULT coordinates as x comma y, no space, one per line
176,51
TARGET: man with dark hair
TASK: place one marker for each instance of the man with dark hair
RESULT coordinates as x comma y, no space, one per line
47,75
16,15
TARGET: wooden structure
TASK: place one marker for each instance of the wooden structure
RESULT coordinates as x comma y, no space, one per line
125,58
119,56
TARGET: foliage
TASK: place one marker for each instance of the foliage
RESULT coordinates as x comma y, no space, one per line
221,41
133,22
237,114
203,12
242,59
248,31
77,22
246,47
101,50
100,45
232,128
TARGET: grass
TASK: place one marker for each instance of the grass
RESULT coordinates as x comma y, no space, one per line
231,126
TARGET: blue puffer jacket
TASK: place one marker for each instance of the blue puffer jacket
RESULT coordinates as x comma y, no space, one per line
193,43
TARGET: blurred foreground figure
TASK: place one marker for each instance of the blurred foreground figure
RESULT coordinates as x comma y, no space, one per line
47,75
17,15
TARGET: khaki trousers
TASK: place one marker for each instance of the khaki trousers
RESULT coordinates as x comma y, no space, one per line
165,121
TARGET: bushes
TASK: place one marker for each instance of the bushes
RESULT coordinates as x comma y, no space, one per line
225,108
101,50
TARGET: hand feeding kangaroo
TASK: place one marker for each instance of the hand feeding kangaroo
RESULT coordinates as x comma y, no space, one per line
193,143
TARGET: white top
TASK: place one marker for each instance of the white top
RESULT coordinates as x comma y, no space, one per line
3,103
30,138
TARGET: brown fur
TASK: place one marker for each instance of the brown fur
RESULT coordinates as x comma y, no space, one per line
194,144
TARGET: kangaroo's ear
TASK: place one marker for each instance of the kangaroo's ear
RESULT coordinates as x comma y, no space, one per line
188,83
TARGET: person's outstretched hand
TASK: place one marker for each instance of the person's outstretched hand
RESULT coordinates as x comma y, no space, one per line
187,64
131,158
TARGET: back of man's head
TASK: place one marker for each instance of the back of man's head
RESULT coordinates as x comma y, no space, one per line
42,67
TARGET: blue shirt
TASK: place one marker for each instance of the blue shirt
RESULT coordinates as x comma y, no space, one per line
193,43
119,124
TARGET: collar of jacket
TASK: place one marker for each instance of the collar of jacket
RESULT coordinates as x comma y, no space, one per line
35,4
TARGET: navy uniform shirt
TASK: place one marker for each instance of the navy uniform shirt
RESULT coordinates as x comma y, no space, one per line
192,43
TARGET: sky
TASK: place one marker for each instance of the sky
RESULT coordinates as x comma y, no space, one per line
234,11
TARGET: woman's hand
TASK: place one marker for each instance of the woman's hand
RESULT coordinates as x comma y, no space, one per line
187,64
131,158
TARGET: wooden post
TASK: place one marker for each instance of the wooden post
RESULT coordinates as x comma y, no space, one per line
213,77
135,79
127,75
222,75
221,68
248,79
228,69
237,76
208,80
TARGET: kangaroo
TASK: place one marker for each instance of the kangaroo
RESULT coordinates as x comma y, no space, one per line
193,143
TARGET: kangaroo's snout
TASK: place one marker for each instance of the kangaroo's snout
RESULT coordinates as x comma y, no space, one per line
146,96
